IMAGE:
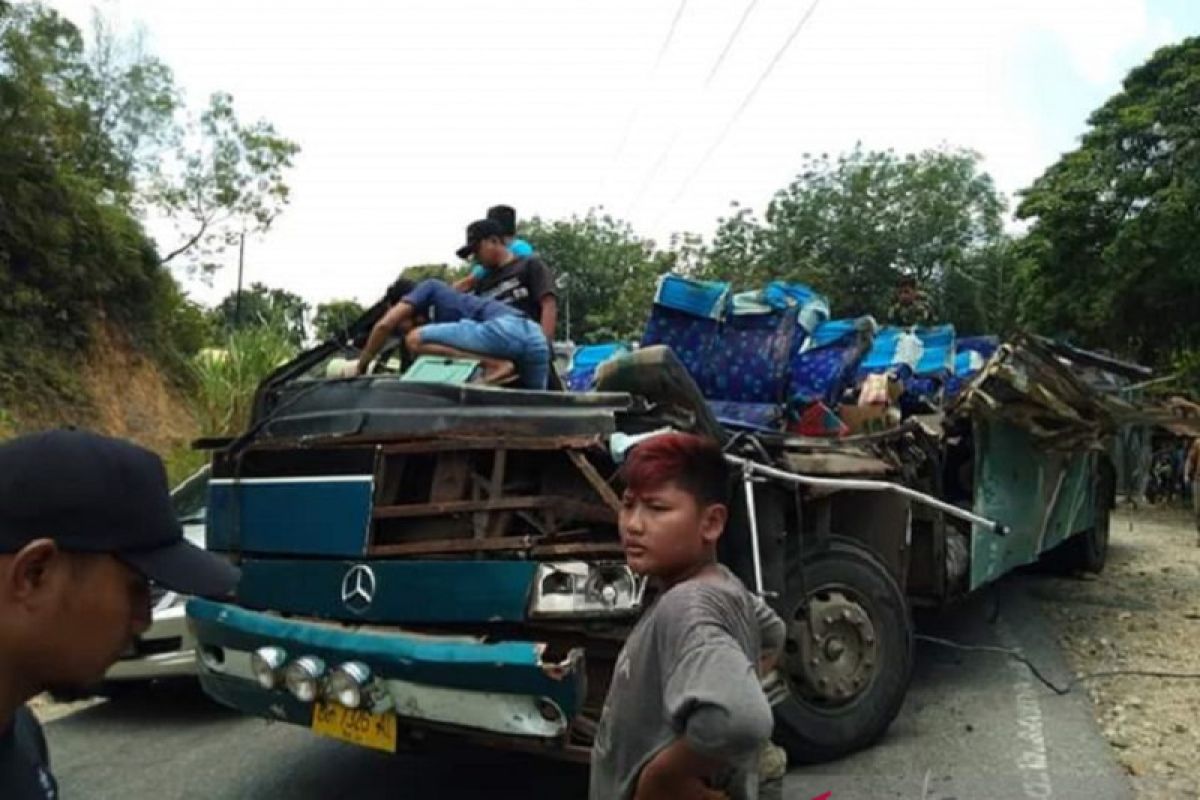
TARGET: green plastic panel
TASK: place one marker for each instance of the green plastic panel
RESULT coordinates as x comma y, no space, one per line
1041,496
435,369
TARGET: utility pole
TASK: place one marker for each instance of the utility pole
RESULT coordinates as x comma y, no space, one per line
564,282
237,302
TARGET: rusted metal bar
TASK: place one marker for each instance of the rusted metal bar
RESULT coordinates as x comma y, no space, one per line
579,549
450,442
462,507
566,507
449,546
595,479
498,522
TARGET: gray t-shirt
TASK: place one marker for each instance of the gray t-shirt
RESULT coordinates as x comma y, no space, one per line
689,668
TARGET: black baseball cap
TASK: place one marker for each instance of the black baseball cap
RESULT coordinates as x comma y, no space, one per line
506,216
93,494
477,231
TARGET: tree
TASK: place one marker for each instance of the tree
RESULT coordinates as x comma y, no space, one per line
606,274
851,226
261,306
334,317
442,272
1113,251
227,182
132,103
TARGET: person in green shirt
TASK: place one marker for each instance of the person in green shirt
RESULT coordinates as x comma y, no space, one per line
910,307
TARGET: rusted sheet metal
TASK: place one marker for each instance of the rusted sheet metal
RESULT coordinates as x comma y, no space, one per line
1042,495
1027,385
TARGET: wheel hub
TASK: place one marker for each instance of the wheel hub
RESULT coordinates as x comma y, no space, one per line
834,648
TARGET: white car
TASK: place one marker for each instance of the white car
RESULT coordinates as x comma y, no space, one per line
167,649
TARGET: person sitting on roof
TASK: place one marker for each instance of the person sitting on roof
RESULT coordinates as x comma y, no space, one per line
436,320
911,307
506,269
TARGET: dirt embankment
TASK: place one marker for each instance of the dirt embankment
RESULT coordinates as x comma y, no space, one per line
1142,613
121,392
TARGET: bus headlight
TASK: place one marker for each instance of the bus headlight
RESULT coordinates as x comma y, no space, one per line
347,683
581,589
303,678
265,663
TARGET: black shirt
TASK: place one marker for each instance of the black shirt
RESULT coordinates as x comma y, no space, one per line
521,284
24,762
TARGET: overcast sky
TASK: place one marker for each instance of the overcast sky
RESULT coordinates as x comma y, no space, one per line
415,116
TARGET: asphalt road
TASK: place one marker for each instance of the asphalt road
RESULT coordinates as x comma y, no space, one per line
974,726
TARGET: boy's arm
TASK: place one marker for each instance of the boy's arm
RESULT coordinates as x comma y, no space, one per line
380,333
549,316
677,773
716,704
772,633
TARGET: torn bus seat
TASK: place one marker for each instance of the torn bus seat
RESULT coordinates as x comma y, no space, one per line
927,352
748,359
824,367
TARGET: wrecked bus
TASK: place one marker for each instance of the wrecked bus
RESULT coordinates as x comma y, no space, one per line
427,561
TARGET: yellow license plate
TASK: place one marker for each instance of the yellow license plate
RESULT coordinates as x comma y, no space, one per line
355,726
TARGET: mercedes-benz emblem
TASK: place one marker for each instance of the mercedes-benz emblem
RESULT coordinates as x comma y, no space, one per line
358,588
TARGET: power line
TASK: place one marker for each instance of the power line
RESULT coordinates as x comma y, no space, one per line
670,35
662,51
712,73
749,98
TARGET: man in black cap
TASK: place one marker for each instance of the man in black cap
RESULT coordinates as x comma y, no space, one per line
507,217
85,524
525,283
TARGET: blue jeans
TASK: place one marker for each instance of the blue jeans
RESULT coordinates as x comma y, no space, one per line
512,337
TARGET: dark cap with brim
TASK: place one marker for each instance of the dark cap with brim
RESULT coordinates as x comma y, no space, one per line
477,231
92,494
184,568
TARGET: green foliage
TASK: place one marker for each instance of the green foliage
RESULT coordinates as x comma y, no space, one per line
226,377
334,317
182,462
851,226
1113,254
442,272
228,182
262,307
86,128
606,274
70,252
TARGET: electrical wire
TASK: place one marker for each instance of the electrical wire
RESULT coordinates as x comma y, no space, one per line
637,108
712,73
1037,673
746,101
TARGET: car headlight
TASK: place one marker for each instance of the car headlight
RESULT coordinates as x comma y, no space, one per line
580,589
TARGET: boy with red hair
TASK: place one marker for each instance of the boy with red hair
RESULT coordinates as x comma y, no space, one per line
685,717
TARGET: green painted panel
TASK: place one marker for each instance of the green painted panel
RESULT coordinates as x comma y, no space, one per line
1042,497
